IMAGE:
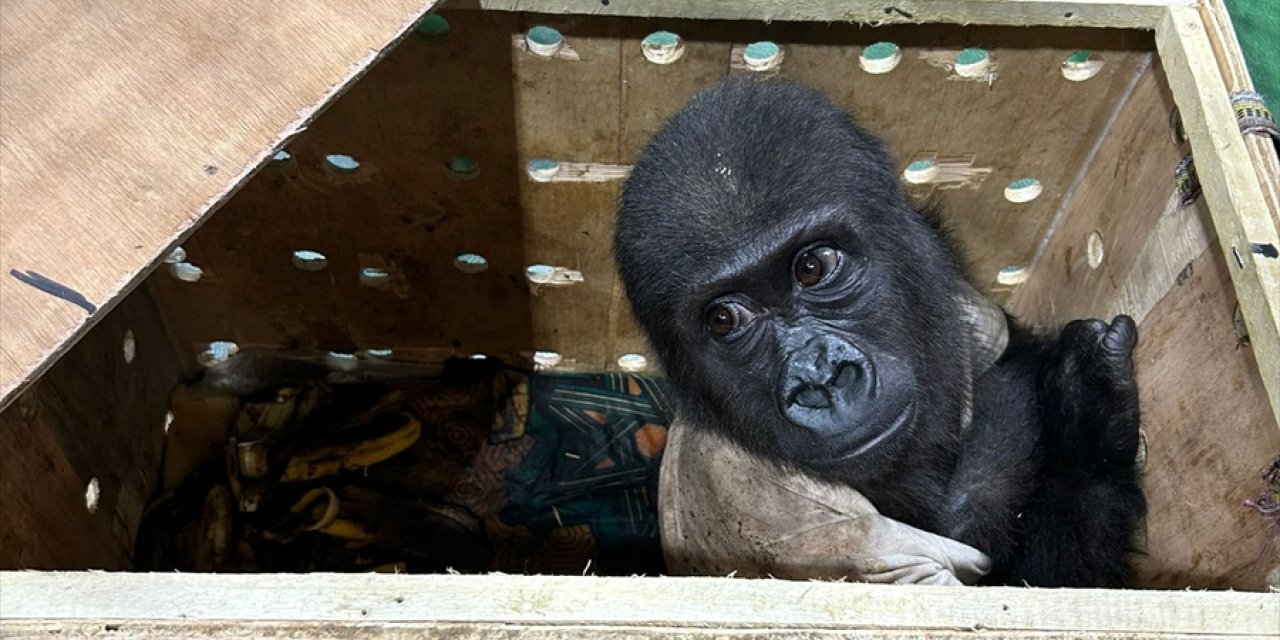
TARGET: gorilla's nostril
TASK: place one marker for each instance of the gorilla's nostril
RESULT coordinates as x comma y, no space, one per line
846,375
813,398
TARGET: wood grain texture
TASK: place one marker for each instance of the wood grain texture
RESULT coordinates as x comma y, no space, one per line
586,606
1142,14
126,123
94,415
1231,184
1210,437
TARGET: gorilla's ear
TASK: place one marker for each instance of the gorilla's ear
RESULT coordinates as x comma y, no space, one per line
988,329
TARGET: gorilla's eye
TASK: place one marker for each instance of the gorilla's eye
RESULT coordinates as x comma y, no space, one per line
725,317
814,264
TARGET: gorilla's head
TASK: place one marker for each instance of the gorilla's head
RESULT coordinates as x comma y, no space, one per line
797,301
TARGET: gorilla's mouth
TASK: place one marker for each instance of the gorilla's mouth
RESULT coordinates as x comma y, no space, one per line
837,453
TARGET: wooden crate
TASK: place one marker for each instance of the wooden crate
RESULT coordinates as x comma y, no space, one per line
126,127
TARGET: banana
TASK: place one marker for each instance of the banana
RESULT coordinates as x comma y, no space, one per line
397,432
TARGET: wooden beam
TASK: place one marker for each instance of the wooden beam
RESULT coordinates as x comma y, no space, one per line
329,605
127,123
1246,231
1140,14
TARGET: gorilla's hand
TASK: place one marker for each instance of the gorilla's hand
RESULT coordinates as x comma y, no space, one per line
1089,396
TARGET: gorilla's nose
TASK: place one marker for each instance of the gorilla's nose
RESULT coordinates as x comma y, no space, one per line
827,380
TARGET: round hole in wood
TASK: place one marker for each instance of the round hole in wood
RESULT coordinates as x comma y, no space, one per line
921,172
433,28
546,359
1081,66
130,347
378,353
1012,275
471,263
972,63
880,58
462,168
632,362
1095,251
662,47
762,55
217,352
168,421
543,40
178,254
309,260
542,169
92,493
341,164
1023,190
374,277
186,272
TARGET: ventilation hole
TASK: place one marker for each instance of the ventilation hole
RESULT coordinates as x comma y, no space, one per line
378,353
462,168
543,41
881,57
341,164
374,277
1094,250
1081,66
542,169
434,29
168,421
282,156
972,63
1068,15
1023,190
91,495
662,47
186,272
632,362
1012,275
217,352
177,255
920,172
539,273
471,263
309,260
341,360
478,356
130,347
546,359
760,56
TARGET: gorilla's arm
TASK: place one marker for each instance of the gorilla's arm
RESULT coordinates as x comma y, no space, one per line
1046,483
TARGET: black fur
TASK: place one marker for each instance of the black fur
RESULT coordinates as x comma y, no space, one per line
715,211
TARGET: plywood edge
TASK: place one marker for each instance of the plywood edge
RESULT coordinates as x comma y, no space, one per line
589,606
37,332
1140,14
1232,187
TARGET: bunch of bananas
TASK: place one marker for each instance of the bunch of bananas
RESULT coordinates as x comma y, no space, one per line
291,471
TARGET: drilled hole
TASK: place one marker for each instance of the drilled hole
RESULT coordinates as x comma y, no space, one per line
920,172
471,263
309,260
632,362
879,58
1012,275
462,168
1095,251
434,29
662,47
546,359
972,63
130,347
761,56
1023,190
92,493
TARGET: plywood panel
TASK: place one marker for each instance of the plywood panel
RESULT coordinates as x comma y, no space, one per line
1210,436
401,210
97,415
126,122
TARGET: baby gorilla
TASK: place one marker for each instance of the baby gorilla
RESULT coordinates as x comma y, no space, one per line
800,305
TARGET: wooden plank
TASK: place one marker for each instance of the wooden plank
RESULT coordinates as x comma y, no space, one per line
98,417
1142,14
1230,184
592,606
127,123
1207,444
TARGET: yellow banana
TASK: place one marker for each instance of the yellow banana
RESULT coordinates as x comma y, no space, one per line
398,432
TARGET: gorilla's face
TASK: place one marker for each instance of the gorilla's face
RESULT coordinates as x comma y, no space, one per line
795,299
797,339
